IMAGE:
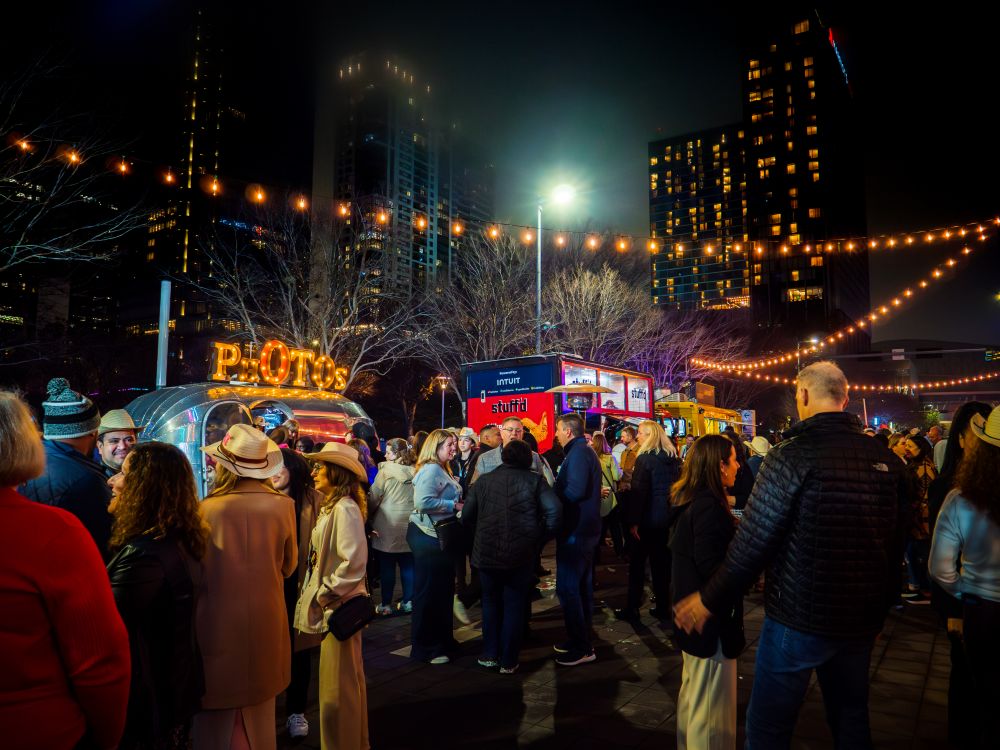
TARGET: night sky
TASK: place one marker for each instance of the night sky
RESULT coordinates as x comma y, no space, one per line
574,92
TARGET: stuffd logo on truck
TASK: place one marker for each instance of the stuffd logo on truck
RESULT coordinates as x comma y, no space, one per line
510,407
276,364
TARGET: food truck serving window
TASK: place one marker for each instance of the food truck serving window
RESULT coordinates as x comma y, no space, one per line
616,382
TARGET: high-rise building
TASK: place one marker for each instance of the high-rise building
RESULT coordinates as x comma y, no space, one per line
789,175
697,217
805,180
379,146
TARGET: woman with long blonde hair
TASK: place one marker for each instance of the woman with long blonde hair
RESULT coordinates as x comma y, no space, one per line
648,515
437,495
338,558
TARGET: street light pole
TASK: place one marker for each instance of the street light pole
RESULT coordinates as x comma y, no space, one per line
538,285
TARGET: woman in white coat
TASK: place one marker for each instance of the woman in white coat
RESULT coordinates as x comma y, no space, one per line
389,509
338,557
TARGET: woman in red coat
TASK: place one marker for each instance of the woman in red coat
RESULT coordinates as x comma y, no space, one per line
64,654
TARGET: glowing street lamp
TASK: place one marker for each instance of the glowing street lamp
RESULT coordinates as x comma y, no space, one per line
562,195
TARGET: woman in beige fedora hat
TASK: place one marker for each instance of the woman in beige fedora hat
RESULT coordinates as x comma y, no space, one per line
338,558
965,561
242,626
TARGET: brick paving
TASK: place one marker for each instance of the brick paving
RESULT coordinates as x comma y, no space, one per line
626,699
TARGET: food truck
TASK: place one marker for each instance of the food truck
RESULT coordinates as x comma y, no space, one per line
683,418
497,389
198,414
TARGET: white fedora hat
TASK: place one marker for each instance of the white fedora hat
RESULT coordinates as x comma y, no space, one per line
247,452
118,420
343,455
760,445
468,432
987,430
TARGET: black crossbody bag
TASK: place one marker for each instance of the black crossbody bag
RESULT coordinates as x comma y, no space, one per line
351,616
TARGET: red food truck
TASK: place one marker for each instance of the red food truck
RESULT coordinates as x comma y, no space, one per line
517,387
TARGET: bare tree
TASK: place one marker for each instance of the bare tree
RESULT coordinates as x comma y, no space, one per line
55,204
268,274
486,313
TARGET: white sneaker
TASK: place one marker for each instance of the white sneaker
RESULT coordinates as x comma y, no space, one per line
461,614
297,725
440,660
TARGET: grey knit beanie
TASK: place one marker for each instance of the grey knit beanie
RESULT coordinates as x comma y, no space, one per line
68,414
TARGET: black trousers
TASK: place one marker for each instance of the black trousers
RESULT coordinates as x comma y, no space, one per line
652,546
433,589
982,648
468,591
297,692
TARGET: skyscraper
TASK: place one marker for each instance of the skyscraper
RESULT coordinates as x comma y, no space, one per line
787,177
380,147
805,180
697,216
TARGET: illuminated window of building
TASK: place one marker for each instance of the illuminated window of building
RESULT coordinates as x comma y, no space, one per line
815,213
794,203
796,295
775,218
788,65
813,166
790,145
757,267
756,279
776,230
773,48
765,173
150,257
814,153
755,117
816,261
793,228
754,64
755,96
811,83
808,72
811,130
807,62
795,275
653,161
812,94
768,93
790,168
815,176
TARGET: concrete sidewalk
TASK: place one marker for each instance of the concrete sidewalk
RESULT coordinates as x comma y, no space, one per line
626,699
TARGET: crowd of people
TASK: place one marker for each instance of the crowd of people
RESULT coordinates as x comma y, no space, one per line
138,616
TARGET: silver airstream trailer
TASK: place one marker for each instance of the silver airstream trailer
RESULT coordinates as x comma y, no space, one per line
193,416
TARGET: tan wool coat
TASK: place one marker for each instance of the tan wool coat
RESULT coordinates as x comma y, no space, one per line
242,624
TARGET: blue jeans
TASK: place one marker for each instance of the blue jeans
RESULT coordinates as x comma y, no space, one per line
505,596
786,659
575,589
387,562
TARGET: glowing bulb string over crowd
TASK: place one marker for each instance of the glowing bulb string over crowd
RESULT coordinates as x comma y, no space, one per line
877,313
705,254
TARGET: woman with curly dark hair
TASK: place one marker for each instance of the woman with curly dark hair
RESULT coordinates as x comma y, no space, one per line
965,561
160,539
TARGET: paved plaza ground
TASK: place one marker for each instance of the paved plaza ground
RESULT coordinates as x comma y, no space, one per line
626,699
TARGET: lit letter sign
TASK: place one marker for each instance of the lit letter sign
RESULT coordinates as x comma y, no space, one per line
224,357
266,360
275,366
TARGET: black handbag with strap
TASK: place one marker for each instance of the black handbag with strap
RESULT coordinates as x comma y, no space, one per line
351,616
452,536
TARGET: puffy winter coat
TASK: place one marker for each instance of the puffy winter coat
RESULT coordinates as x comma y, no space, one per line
390,504
512,511
648,502
75,483
827,518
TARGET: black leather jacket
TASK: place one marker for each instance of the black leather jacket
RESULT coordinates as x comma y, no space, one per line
699,538
648,501
827,519
512,512
152,585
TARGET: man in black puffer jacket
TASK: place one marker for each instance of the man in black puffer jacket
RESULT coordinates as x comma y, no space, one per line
513,511
827,520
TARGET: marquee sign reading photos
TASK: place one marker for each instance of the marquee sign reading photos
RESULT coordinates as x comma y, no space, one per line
276,364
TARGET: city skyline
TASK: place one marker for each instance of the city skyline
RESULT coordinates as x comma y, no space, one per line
581,99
